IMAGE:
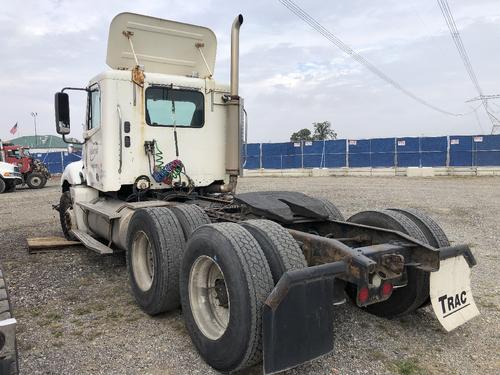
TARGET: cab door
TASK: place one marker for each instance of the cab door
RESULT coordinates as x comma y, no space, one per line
93,137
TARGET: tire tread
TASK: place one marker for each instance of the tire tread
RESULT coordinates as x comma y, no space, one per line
259,281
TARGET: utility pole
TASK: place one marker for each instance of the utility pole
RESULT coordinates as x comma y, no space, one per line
35,114
495,121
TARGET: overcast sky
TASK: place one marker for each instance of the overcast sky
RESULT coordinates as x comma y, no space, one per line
290,75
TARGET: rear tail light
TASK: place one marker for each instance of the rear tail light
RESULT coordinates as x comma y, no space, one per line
386,290
363,295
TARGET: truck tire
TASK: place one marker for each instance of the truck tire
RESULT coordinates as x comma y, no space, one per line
431,230
44,182
333,212
409,298
190,217
8,366
10,186
154,250
281,250
3,185
224,282
35,180
65,208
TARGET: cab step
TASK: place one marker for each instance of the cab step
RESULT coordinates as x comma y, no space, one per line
91,243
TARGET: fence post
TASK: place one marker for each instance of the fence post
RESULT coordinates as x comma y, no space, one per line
448,151
323,161
395,153
260,155
302,154
420,152
347,153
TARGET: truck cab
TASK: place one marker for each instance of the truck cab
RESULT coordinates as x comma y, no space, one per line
158,103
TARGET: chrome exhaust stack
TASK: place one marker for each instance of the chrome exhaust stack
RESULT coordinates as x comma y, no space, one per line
235,54
235,113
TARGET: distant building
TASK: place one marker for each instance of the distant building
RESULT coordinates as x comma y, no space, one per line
44,143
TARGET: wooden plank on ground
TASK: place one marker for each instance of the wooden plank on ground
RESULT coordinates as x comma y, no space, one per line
48,243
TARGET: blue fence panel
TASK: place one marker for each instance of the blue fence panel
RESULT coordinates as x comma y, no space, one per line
314,154
461,151
335,153
53,160
58,160
408,152
382,152
433,151
359,153
458,151
487,150
272,155
252,157
70,158
292,155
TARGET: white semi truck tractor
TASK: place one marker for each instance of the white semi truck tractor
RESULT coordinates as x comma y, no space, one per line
257,274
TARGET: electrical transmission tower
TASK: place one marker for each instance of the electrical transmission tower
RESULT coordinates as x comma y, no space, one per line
495,121
455,35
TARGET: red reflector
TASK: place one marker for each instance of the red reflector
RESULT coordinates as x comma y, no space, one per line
363,294
386,289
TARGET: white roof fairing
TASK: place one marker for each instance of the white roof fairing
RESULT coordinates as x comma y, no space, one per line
161,46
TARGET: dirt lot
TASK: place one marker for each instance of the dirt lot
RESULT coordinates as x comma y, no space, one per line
77,316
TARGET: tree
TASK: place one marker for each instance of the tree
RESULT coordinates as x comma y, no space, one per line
301,135
323,131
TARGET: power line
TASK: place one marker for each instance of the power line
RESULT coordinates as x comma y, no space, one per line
482,97
455,35
304,16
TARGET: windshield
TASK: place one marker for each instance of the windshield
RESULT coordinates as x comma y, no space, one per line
14,153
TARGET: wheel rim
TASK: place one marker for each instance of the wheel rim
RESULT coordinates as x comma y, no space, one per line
143,261
36,181
208,297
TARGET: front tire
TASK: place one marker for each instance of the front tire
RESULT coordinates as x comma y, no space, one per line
154,249
10,187
224,282
66,215
3,185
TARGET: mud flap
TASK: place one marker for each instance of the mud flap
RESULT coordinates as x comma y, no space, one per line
298,317
451,294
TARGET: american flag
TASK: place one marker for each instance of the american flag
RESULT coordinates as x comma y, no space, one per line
14,129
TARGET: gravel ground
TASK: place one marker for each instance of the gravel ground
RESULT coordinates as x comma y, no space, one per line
77,316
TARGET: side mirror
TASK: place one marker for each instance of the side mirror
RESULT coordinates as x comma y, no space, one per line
62,113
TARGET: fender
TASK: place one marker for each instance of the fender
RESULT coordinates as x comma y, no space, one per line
73,174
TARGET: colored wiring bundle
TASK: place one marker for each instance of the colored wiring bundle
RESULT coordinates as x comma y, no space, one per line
168,172
165,173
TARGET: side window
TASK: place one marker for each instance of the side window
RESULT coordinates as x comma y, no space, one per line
166,106
94,120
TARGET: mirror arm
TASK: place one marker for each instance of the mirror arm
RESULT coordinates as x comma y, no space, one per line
75,88
74,143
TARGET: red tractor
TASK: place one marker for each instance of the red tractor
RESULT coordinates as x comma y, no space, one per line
35,173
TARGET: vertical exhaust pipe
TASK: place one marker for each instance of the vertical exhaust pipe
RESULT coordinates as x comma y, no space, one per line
234,111
235,55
